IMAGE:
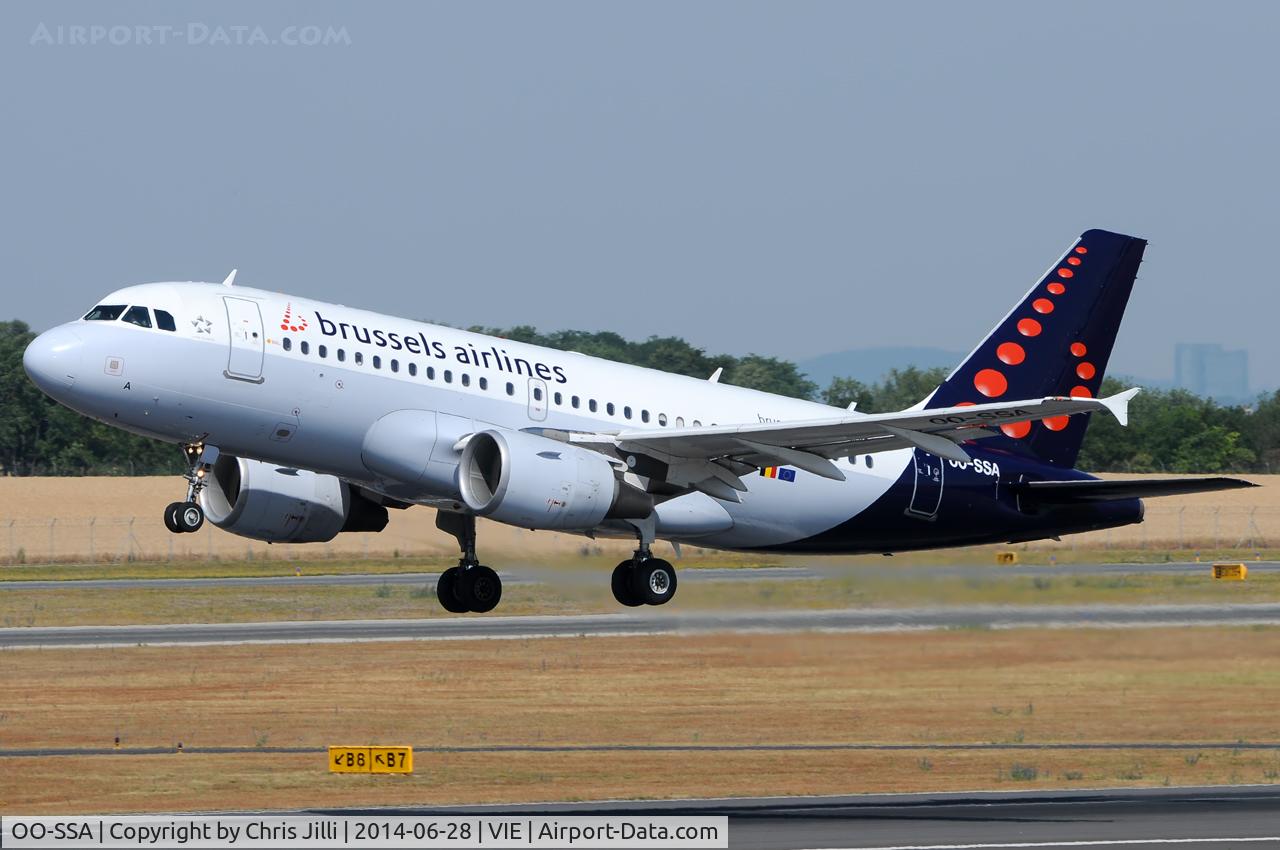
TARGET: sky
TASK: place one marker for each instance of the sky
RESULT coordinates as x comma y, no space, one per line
790,179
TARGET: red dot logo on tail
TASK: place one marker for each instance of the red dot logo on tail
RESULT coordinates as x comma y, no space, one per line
1010,353
990,383
1017,430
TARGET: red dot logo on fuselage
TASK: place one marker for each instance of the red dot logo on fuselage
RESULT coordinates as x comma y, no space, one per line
291,323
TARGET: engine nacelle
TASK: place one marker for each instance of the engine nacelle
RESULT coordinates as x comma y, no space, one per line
535,482
283,505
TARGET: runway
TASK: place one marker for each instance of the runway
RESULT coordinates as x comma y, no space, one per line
648,621
1192,818
695,574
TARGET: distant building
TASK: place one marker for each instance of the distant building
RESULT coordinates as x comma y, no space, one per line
1207,369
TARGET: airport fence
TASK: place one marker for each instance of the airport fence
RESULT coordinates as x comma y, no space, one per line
1242,529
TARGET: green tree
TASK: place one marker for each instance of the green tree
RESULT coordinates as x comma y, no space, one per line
1211,449
898,390
770,375
842,392
22,406
902,388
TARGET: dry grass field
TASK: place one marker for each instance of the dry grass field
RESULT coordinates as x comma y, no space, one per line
63,520
587,591
1017,687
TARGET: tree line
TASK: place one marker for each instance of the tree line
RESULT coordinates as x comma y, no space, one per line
1169,430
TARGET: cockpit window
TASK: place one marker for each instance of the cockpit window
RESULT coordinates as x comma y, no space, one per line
165,322
138,316
105,313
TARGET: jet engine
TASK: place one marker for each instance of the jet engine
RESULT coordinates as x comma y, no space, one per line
536,482
283,505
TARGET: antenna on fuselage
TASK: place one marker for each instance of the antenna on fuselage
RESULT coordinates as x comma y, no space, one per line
231,278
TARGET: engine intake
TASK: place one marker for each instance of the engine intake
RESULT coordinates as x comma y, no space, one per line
283,505
535,482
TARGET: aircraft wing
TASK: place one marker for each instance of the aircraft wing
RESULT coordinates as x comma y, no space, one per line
711,459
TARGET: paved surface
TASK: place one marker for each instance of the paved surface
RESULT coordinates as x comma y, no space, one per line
686,575
1192,818
644,621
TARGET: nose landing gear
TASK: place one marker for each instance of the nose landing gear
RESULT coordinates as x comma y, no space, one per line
187,517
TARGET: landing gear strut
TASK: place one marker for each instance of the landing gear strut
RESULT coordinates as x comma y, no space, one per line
470,586
188,516
644,580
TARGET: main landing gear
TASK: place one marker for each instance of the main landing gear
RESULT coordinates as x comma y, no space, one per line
644,580
470,586
186,517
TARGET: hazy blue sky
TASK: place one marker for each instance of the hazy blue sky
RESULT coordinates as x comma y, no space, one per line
791,179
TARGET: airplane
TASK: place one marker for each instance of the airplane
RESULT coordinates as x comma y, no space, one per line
300,420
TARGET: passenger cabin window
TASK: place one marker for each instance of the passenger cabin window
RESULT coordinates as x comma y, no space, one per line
559,399
105,313
359,358
679,421
466,379
305,347
448,376
138,316
511,388
484,383
395,365
662,419
609,408
413,368
323,351
697,424
574,401
626,412
537,393
342,355
164,321
591,405
644,416
869,462
431,373
287,344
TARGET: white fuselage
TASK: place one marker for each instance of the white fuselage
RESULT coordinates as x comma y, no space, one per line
300,383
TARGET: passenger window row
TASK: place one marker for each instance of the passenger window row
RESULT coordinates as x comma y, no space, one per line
464,378
135,315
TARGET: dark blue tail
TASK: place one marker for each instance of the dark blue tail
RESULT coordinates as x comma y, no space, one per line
1055,342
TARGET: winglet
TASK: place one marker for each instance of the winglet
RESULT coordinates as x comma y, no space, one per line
231,278
715,376
1118,404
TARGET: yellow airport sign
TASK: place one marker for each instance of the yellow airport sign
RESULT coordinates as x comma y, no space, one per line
1231,572
392,759
371,759
1006,559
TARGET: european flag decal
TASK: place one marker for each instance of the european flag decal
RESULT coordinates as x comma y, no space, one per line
782,473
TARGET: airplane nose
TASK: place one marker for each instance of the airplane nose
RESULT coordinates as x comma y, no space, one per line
53,359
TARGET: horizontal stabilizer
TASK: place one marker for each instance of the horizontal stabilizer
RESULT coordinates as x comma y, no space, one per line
1074,492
